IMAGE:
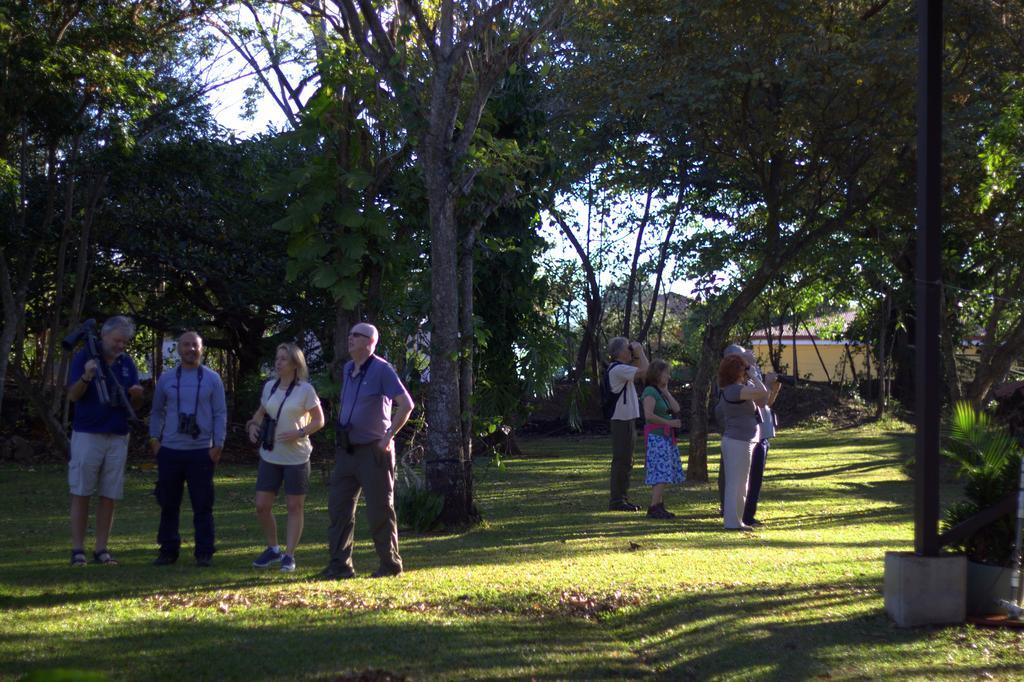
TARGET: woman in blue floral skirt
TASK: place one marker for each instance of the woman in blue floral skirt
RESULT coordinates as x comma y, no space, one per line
660,412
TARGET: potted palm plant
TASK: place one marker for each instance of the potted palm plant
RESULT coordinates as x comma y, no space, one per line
988,459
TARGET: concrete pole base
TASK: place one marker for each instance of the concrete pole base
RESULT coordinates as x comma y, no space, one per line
925,590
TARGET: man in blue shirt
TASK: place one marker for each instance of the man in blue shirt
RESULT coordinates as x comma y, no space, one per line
364,458
187,427
99,436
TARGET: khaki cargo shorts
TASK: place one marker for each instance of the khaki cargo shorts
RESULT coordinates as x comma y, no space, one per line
97,464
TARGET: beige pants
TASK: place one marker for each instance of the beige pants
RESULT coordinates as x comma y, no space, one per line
736,456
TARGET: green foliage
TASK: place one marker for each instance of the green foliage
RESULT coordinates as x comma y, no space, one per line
517,348
193,214
989,460
582,393
418,508
1002,148
346,219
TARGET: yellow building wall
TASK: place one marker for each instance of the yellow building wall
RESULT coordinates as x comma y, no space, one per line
834,357
833,363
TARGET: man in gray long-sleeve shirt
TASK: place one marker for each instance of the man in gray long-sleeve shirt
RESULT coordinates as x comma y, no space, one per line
187,428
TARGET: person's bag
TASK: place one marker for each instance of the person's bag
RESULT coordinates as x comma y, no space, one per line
609,397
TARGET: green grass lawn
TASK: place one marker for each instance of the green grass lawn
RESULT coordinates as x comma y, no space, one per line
549,587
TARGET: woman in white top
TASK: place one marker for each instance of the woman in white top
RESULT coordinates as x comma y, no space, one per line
289,413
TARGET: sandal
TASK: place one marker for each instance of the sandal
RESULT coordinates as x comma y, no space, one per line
104,557
77,557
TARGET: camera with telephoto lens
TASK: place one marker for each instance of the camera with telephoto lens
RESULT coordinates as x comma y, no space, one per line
785,379
342,439
187,425
268,430
87,332
84,332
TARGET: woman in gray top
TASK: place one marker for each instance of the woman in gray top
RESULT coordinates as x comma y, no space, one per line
742,391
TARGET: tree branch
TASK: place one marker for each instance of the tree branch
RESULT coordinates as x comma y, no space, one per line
425,29
373,55
250,58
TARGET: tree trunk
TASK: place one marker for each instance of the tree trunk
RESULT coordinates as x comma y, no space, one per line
949,369
467,333
631,286
853,365
998,351
711,345
82,267
883,361
818,353
771,346
593,298
997,357
53,427
13,308
344,320
796,368
661,323
11,320
867,371
48,375
662,259
445,458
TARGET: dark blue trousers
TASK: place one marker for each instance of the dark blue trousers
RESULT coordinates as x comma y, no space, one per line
757,463
175,468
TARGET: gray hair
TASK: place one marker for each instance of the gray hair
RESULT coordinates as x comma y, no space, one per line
734,349
616,346
118,322
374,335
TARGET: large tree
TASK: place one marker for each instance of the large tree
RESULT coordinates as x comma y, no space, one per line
440,63
784,119
77,80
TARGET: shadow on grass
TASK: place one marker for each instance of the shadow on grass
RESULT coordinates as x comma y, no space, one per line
321,644
739,633
114,588
783,632
862,467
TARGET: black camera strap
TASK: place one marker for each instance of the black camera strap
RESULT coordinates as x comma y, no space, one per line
287,393
199,385
362,376
757,411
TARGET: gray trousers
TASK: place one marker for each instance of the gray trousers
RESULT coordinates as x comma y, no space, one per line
623,445
352,474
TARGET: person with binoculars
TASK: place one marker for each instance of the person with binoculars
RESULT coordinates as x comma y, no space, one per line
187,427
628,365
364,459
745,415
288,415
98,378
661,417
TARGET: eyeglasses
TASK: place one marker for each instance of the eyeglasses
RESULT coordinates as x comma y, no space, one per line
365,336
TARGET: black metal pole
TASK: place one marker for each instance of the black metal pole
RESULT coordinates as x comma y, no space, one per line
928,273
